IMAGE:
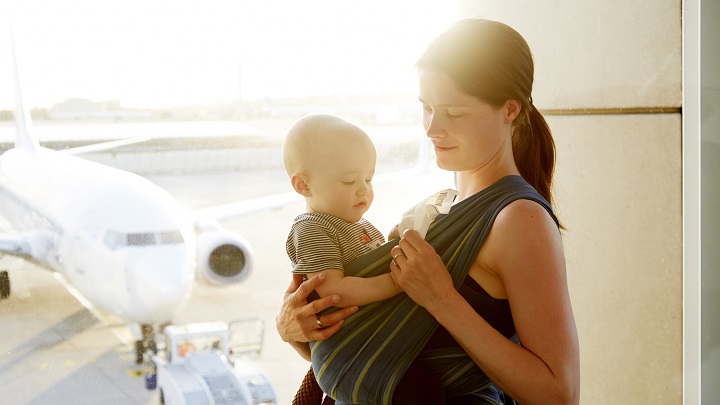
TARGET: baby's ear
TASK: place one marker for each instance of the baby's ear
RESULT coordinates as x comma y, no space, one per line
300,185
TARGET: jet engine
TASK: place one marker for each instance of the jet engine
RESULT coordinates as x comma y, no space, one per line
224,257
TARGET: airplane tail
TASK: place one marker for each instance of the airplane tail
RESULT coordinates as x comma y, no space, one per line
25,138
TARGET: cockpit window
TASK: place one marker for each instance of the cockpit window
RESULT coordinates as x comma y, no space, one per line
140,239
115,240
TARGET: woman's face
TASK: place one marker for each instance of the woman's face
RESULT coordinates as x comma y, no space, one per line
467,133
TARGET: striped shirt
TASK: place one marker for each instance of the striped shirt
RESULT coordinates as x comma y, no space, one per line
321,241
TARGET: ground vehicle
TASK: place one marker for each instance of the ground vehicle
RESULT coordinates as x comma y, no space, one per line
204,363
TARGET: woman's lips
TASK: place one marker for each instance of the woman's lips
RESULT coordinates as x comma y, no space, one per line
440,148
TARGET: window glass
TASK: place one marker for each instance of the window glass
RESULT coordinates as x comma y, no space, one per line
196,98
710,199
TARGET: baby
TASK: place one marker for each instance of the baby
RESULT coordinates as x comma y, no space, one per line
331,163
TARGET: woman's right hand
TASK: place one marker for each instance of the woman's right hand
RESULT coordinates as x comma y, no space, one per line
297,320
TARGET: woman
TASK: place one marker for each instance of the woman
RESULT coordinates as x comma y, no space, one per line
475,86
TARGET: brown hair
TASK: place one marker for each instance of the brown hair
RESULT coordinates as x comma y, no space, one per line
491,61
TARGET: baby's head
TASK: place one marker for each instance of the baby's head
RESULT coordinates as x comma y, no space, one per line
331,162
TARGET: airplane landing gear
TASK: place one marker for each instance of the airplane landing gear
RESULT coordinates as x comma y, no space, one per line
4,284
146,343
139,352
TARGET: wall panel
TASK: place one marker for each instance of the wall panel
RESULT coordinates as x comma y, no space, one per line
596,54
618,193
618,181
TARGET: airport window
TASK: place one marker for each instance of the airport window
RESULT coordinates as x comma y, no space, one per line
710,200
209,134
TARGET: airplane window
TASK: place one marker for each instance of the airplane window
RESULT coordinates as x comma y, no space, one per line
171,237
140,239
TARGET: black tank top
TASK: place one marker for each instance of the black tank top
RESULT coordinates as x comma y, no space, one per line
495,311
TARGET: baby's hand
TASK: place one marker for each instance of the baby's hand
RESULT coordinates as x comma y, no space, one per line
394,282
394,233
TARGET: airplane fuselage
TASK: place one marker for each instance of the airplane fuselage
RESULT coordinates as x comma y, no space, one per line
121,241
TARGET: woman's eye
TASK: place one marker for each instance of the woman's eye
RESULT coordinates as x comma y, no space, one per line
348,183
368,181
451,115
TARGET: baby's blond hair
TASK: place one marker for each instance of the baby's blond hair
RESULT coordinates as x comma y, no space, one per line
315,139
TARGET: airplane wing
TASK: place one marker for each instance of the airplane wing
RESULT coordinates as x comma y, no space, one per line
98,137
97,147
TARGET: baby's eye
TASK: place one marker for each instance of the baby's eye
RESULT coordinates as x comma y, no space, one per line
348,183
455,115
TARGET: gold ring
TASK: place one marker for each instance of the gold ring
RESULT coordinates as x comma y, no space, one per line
397,255
319,322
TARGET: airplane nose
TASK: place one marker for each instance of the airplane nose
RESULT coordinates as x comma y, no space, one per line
162,284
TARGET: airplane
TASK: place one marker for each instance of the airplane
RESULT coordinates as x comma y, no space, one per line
119,241
122,242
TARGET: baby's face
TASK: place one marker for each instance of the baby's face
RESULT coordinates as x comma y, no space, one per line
342,186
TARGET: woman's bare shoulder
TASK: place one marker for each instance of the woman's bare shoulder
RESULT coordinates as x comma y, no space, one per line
524,212
523,232
524,221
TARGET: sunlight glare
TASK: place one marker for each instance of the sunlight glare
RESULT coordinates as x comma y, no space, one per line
166,53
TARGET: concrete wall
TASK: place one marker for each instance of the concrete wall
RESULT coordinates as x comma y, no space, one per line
618,181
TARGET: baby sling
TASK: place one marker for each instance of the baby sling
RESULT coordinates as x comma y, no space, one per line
364,361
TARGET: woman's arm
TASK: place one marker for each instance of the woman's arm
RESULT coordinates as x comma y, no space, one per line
297,322
524,251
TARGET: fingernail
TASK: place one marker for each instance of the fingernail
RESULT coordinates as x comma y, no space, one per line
321,276
336,299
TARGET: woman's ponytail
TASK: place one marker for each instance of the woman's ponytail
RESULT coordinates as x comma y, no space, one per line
534,151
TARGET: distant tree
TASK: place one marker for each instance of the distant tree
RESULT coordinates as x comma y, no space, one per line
40,114
6,115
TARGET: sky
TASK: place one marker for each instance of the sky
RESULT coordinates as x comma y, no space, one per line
166,53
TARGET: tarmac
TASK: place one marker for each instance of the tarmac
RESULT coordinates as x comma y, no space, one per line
54,350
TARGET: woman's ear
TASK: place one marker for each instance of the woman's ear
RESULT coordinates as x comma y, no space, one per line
300,184
512,109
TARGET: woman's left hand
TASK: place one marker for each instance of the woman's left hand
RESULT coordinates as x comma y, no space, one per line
419,271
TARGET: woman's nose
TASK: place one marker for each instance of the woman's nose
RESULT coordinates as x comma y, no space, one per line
433,127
